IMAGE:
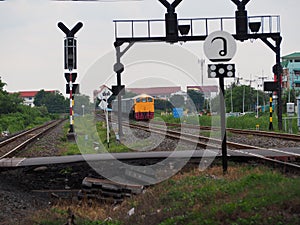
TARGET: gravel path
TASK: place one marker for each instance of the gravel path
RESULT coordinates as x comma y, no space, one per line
48,145
264,142
16,201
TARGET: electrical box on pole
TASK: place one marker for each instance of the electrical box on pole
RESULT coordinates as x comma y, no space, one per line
290,108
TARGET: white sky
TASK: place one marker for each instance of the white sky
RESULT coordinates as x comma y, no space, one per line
31,44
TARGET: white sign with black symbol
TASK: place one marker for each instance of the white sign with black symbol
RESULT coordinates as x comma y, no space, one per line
103,104
105,93
219,46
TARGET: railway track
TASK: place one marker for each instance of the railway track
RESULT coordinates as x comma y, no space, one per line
12,145
102,189
202,141
284,158
285,136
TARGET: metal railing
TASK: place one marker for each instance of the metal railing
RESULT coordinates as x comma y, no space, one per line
198,26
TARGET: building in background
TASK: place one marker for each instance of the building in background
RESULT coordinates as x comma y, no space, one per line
28,96
209,92
156,92
291,71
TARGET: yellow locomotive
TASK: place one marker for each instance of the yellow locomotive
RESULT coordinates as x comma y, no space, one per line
140,107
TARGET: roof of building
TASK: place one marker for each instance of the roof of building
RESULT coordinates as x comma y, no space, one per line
295,55
204,89
155,90
286,59
28,94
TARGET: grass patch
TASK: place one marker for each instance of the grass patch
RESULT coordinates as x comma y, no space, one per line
91,138
246,195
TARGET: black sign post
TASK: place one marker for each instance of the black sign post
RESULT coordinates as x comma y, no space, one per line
271,86
221,71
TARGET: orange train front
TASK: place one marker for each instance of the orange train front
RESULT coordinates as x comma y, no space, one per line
143,108
140,107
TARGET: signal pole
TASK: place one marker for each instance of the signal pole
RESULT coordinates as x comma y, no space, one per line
70,47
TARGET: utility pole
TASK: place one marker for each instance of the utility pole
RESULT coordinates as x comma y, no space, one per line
237,80
262,78
231,101
257,101
70,58
244,99
202,62
250,80
250,83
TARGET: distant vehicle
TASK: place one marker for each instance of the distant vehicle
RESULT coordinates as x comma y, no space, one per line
140,107
246,113
233,114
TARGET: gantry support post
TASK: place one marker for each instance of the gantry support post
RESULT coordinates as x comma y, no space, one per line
119,90
277,69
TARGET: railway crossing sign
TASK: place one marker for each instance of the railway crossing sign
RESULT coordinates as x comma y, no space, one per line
219,46
103,104
104,93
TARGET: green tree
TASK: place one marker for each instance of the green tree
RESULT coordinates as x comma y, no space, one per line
8,102
162,104
129,94
82,104
196,98
14,116
54,102
177,101
40,98
239,96
242,97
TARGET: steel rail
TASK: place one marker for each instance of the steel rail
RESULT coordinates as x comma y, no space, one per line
237,146
196,139
268,159
216,143
44,128
292,137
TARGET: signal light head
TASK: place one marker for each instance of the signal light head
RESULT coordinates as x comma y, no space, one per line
221,70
